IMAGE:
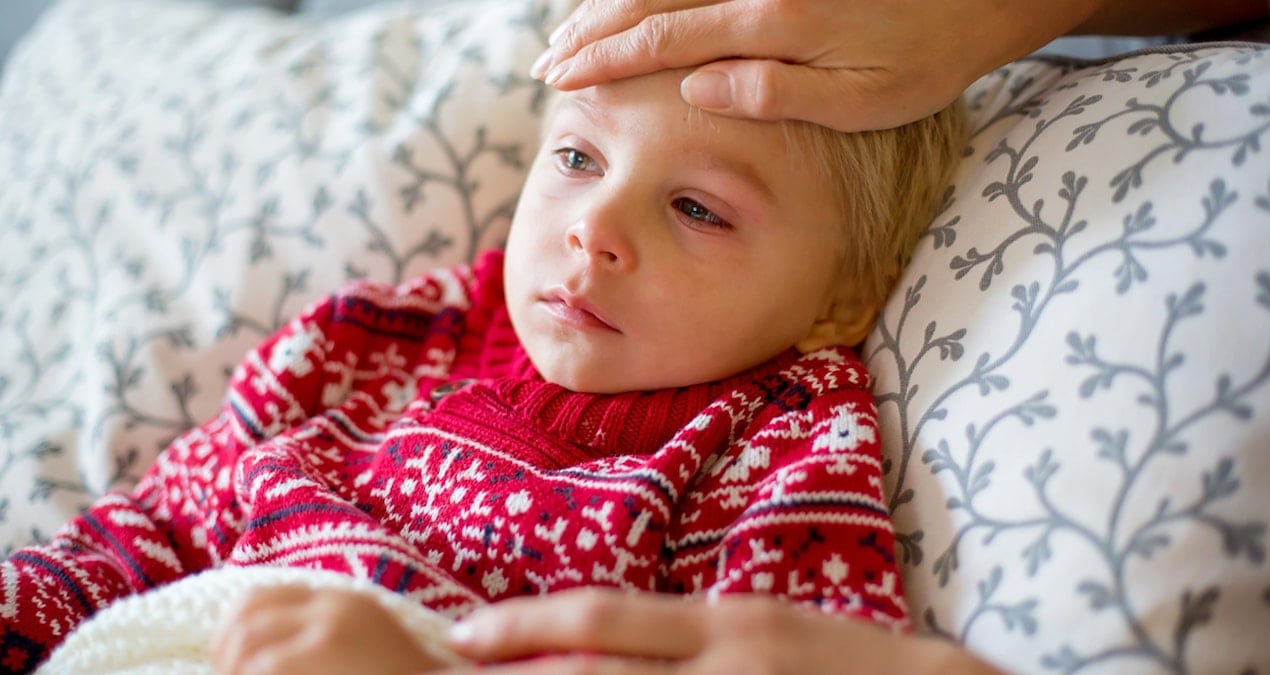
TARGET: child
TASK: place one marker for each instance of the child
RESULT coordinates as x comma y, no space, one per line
652,389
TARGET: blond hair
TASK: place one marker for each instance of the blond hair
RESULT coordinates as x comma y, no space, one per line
888,185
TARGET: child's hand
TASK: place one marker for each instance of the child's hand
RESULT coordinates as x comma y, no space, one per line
297,629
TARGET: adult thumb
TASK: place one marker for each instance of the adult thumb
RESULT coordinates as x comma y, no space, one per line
842,99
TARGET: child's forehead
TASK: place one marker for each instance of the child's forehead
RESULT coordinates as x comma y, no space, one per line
646,119
663,84
651,105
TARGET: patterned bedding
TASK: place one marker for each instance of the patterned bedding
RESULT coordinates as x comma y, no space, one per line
1073,376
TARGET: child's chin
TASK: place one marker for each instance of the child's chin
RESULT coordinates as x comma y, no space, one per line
586,383
598,380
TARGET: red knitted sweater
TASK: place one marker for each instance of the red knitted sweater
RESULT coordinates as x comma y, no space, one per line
402,435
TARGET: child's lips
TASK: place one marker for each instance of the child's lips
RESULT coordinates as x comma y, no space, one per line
576,311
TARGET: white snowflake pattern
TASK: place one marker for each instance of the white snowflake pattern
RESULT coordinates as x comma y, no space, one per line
291,352
494,582
334,393
753,457
399,395
836,570
519,502
847,431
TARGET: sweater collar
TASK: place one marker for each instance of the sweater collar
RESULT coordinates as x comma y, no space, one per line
631,423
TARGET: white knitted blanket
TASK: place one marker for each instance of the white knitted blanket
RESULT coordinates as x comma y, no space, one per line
169,629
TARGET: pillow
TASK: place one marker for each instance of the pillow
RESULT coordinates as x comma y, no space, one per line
177,179
1073,375
333,7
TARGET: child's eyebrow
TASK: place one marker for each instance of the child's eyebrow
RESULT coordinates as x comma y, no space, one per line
706,159
586,107
744,171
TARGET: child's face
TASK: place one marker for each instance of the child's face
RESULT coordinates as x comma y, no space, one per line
655,246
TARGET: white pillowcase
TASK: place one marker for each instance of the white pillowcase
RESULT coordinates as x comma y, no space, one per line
1074,374
177,179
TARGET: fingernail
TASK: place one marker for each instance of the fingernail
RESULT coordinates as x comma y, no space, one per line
709,90
555,34
537,70
558,72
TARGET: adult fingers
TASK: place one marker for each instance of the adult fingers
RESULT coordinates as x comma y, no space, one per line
597,19
684,37
592,621
574,664
847,99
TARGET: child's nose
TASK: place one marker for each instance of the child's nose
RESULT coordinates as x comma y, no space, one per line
602,235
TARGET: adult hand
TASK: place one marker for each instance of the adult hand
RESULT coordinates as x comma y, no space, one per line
298,629
607,631
846,64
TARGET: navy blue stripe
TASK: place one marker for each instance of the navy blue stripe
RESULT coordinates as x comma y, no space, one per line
67,582
404,582
256,432
356,434
798,502
270,518
407,336
101,529
845,504
273,466
413,325
381,566
656,486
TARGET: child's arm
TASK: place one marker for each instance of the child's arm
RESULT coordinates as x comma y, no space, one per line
815,528
299,629
184,516
181,518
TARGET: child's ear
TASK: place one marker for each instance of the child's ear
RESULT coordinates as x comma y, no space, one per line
843,322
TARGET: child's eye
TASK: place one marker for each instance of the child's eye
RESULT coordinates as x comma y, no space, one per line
572,159
694,210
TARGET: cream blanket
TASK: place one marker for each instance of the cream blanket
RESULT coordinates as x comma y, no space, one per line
168,630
